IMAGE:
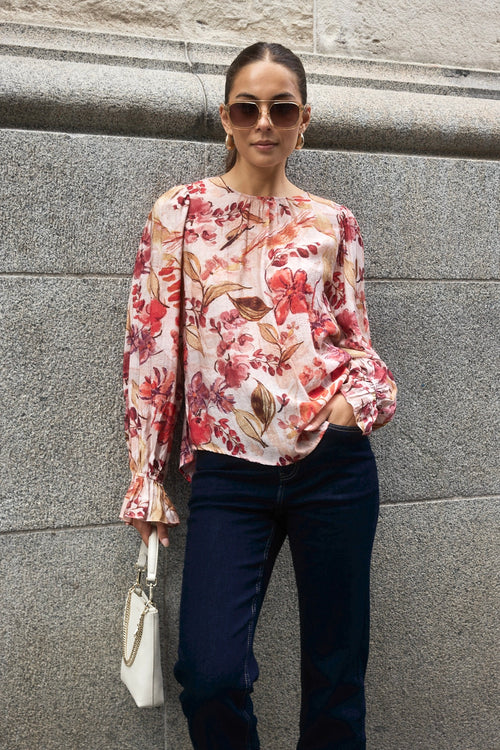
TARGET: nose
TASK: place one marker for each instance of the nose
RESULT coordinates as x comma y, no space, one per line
264,120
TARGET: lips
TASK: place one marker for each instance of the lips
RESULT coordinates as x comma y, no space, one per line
264,143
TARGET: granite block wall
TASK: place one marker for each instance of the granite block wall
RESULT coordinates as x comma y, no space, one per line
72,209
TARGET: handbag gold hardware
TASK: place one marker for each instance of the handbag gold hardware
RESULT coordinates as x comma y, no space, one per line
129,660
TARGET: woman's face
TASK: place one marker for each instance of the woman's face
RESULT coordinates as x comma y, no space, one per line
264,145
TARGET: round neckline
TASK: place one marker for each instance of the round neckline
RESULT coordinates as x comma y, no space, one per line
227,188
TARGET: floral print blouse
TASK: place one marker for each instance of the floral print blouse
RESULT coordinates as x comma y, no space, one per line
253,309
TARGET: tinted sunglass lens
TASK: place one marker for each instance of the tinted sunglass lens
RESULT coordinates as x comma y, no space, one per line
284,114
243,114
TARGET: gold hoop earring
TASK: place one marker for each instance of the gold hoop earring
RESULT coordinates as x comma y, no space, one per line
229,142
300,142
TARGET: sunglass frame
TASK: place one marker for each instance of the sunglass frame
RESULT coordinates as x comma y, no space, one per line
270,103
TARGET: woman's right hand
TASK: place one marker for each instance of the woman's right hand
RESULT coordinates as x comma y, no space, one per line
144,529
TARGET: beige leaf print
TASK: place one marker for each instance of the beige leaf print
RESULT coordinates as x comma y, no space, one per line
156,507
192,266
142,454
262,401
193,338
249,216
355,353
324,225
250,308
269,333
134,394
349,273
153,285
246,421
288,353
217,290
212,447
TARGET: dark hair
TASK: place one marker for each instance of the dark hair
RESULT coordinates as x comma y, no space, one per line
264,51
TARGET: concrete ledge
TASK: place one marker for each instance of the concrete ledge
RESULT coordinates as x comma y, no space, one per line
98,83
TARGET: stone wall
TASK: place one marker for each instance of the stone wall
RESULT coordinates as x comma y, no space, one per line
94,127
464,33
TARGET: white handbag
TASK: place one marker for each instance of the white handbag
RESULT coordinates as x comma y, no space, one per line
141,660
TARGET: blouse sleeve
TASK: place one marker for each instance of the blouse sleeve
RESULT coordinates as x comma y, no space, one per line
370,386
152,379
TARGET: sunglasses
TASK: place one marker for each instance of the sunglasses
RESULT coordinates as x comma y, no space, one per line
281,115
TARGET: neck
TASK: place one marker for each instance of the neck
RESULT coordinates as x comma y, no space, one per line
264,182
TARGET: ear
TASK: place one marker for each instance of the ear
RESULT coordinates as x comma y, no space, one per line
306,118
224,118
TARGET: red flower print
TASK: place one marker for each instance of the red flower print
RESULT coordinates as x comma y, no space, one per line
190,236
349,227
197,393
200,209
140,339
322,325
348,321
308,410
219,397
234,370
209,236
231,319
143,257
349,231
151,316
165,425
282,400
290,293
132,422
200,428
156,390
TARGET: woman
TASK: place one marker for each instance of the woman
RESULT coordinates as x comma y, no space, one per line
248,299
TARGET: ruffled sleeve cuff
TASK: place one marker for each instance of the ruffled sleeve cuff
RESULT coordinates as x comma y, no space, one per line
373,403
147,500
364,405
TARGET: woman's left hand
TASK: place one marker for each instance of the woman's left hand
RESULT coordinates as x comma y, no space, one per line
337,411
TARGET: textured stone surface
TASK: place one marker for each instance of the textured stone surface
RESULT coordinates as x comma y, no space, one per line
464,34
459,34
93,96
235,21
60,674
431,680
440,341
101,191
62,451
86,97
104,83
52,43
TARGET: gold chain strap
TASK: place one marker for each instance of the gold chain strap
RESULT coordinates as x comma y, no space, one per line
129,660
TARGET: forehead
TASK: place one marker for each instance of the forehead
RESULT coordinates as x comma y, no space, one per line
265,80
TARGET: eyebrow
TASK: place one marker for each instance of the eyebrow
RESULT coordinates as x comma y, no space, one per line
285,95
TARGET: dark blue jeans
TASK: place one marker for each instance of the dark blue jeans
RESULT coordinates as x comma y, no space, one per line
240,513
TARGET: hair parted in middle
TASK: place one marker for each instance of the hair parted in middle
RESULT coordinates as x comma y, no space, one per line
272,52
